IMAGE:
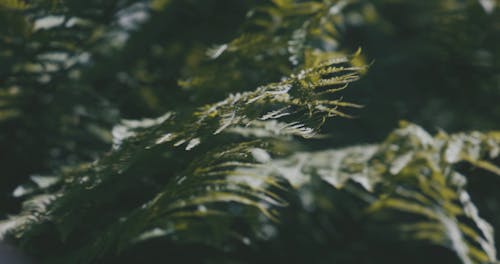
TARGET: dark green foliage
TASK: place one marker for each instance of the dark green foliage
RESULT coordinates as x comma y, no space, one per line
182,131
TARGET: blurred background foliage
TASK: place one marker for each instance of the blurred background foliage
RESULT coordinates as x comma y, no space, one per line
71,70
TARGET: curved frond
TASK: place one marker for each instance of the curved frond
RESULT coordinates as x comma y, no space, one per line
410,173
301,103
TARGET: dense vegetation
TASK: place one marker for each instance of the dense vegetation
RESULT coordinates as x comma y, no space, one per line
221,131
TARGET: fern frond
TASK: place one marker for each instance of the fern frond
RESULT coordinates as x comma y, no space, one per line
292,34
297,103
410,173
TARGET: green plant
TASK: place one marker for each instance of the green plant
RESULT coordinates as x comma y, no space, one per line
225,170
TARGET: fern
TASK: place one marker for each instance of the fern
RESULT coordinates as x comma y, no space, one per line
413,173
290,34
302,97
410,173
234,175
